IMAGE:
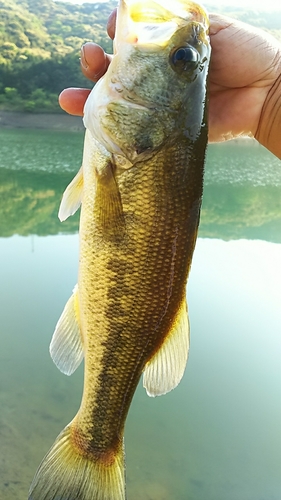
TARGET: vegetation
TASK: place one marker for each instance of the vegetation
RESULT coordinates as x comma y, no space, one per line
40,42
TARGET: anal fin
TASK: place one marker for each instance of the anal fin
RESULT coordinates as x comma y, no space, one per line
165,369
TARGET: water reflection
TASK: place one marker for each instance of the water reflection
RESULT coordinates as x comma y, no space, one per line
30,197
242,162
217,437
29,202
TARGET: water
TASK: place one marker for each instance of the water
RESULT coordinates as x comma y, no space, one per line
218,435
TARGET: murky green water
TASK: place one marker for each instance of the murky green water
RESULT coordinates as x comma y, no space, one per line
218,435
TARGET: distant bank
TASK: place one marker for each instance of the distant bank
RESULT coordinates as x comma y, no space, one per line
64,122
41,121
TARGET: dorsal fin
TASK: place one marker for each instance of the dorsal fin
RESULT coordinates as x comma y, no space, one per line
66,346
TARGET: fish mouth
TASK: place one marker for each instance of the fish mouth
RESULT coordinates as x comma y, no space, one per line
159,11
153,22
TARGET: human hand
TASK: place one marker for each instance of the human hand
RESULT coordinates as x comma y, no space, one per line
245,88
244,82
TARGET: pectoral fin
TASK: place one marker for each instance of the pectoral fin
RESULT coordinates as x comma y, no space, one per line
165,370
66,346
72,196
108,209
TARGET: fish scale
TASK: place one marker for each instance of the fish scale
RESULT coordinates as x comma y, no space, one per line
128,338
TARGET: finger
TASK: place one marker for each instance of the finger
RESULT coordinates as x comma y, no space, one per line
94,61
219,22
111,24
72,100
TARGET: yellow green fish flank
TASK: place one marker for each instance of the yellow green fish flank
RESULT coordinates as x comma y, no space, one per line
140,189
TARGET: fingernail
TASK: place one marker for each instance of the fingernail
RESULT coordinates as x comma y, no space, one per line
83,61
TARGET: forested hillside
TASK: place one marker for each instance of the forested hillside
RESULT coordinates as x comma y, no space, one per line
40,42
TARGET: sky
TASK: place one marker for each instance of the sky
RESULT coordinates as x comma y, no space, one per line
257,4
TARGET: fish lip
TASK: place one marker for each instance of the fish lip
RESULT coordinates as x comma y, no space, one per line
157,10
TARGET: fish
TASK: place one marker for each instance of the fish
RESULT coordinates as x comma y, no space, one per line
140,190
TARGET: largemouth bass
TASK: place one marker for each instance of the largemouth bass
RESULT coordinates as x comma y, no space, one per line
140,185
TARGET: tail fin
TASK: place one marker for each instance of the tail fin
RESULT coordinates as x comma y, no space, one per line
64,474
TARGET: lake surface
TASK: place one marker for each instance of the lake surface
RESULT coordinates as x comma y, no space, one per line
218,435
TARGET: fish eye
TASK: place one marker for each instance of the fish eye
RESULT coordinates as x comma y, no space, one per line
184,55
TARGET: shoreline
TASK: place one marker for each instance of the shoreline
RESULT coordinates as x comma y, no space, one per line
44,121
66,123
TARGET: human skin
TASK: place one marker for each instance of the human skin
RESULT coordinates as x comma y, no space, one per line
244,82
